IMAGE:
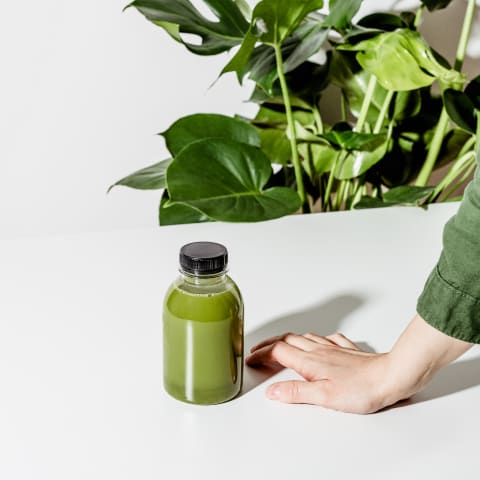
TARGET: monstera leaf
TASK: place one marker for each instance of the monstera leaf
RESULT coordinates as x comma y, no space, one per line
401,60
171,213
202,126
149,178
225,180
181,16
273,21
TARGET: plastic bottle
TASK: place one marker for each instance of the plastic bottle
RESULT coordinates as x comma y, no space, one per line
203,328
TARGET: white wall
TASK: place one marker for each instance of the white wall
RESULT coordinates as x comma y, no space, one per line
83,90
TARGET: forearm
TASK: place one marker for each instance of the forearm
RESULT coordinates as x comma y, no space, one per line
417,355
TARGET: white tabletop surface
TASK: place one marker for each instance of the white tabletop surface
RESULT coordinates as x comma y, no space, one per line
81,393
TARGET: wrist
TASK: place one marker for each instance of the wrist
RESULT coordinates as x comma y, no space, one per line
404,376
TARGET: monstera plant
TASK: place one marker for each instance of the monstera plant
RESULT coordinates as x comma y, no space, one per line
393,130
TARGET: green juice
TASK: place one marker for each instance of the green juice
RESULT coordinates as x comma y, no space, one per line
203,339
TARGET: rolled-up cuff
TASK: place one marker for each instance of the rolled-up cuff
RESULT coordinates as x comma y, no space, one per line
448,309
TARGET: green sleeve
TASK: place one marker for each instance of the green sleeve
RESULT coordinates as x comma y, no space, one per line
450,300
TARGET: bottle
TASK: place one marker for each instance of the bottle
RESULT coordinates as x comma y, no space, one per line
203,328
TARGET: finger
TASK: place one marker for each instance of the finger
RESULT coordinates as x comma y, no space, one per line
301,342
295,391
318,339
284,354
268,341
342,341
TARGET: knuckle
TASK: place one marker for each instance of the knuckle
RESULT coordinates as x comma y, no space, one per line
277,347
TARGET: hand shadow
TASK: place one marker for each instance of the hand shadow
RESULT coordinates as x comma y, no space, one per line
455,378
324,318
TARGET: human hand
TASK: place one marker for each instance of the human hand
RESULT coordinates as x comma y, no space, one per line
340,376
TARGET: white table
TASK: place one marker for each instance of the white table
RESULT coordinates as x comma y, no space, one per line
81,392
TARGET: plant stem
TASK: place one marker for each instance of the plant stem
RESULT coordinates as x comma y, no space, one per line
462,163
434,150
464,35
339,195
346,193
292,130
418,16
318,120
343,105
442,125
465,177
328,189
477,134
362,116
383,111
467,146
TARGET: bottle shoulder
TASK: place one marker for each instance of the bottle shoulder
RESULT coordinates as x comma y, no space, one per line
226,285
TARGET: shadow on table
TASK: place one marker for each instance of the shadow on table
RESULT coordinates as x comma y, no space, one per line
452,379
324,318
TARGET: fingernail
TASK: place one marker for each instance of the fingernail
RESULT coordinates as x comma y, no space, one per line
273,392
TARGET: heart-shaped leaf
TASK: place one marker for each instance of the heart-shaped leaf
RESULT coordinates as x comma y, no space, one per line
275,145
460,109
402,195
202,126
149,178
436,4
407,194
382,21
349,140
370,202
473,92
401,60
171,213
225,180
181,16
341,13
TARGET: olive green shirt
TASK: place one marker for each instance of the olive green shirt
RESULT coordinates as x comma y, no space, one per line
450,300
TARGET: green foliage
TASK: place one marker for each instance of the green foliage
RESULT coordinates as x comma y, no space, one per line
149,178
462,106
436,4
341,13
203,126
171,213
228,191
403,195
181,16
401,60
393,129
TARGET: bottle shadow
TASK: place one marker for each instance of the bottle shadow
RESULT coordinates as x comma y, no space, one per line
324,318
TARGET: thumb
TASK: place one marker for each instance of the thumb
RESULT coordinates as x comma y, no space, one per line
297,391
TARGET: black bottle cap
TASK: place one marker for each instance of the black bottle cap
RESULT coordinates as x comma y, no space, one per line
203,258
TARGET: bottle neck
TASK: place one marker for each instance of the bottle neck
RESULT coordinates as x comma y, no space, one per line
209,279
